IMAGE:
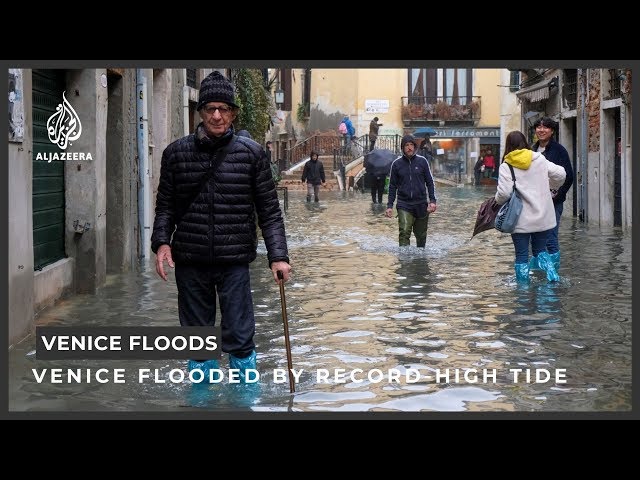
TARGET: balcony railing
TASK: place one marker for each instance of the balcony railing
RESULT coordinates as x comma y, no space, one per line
448,109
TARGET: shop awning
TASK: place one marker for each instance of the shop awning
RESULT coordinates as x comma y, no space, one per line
537,92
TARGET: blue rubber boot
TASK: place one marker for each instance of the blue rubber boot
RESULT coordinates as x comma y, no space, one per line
200,394
244,364
245,394
522,272
205,367
533,264
546,264
555,258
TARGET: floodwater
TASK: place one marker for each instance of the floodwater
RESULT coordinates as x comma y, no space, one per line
384,324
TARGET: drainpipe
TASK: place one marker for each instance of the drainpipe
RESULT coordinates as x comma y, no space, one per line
625,161
142,128
185,108
584,148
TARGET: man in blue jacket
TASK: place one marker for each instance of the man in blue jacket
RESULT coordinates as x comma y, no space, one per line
411,181
556,153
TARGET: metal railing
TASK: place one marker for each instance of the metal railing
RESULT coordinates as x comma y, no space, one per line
347,153
358,147
321,144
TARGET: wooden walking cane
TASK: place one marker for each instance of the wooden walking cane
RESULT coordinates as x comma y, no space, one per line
287,344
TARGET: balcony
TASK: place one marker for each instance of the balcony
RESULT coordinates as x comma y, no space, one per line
419,110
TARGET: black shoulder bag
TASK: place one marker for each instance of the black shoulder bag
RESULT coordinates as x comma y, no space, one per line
220,155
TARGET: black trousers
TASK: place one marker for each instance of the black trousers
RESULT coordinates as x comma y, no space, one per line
377,188
197,290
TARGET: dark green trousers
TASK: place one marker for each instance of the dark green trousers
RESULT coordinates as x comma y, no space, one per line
407,223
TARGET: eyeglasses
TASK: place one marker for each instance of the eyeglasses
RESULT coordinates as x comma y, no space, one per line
223,109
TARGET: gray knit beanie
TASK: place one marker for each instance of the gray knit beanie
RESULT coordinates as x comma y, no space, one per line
216,88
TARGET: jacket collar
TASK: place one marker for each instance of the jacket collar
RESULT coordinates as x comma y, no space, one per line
204,142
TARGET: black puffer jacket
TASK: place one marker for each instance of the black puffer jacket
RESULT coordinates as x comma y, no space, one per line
219,227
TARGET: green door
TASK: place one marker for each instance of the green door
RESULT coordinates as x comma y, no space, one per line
48,178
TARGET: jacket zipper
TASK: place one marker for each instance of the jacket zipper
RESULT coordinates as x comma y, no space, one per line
210,190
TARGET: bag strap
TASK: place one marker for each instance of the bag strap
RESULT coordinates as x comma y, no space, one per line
513,176
220,156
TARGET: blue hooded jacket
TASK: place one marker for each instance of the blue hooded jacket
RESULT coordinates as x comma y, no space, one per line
350,128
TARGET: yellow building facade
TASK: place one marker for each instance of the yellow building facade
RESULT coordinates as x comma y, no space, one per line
461,107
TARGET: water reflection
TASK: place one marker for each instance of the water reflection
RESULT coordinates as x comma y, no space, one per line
364,310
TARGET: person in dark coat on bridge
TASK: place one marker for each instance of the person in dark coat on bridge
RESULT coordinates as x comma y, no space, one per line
213,183
374,127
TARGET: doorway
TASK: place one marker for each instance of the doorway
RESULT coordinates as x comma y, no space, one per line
617,171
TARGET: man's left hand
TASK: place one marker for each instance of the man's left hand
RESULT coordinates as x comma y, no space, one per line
284,267
432,207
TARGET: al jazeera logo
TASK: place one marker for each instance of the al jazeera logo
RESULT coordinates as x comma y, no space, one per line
63,127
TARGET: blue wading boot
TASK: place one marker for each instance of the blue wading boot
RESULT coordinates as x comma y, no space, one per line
522,272
533,264
555,258
245,394
546,264
244,364
200,394
205,367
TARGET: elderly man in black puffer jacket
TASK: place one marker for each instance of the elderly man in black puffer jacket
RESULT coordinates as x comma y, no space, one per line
205,223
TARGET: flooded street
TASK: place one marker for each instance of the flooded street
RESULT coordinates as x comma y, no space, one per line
358,301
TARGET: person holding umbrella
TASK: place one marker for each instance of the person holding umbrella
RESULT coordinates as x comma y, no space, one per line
411,181
426,148
377,164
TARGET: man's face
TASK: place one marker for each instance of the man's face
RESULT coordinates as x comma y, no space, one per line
543,133
217,117
409,149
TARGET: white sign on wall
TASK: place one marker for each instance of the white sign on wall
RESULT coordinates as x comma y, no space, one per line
376,106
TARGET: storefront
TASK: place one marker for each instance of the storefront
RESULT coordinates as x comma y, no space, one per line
456,150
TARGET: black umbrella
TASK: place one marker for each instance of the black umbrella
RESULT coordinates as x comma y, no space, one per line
378,161
486,216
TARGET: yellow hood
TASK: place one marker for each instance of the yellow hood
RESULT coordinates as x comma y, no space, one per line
520,158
